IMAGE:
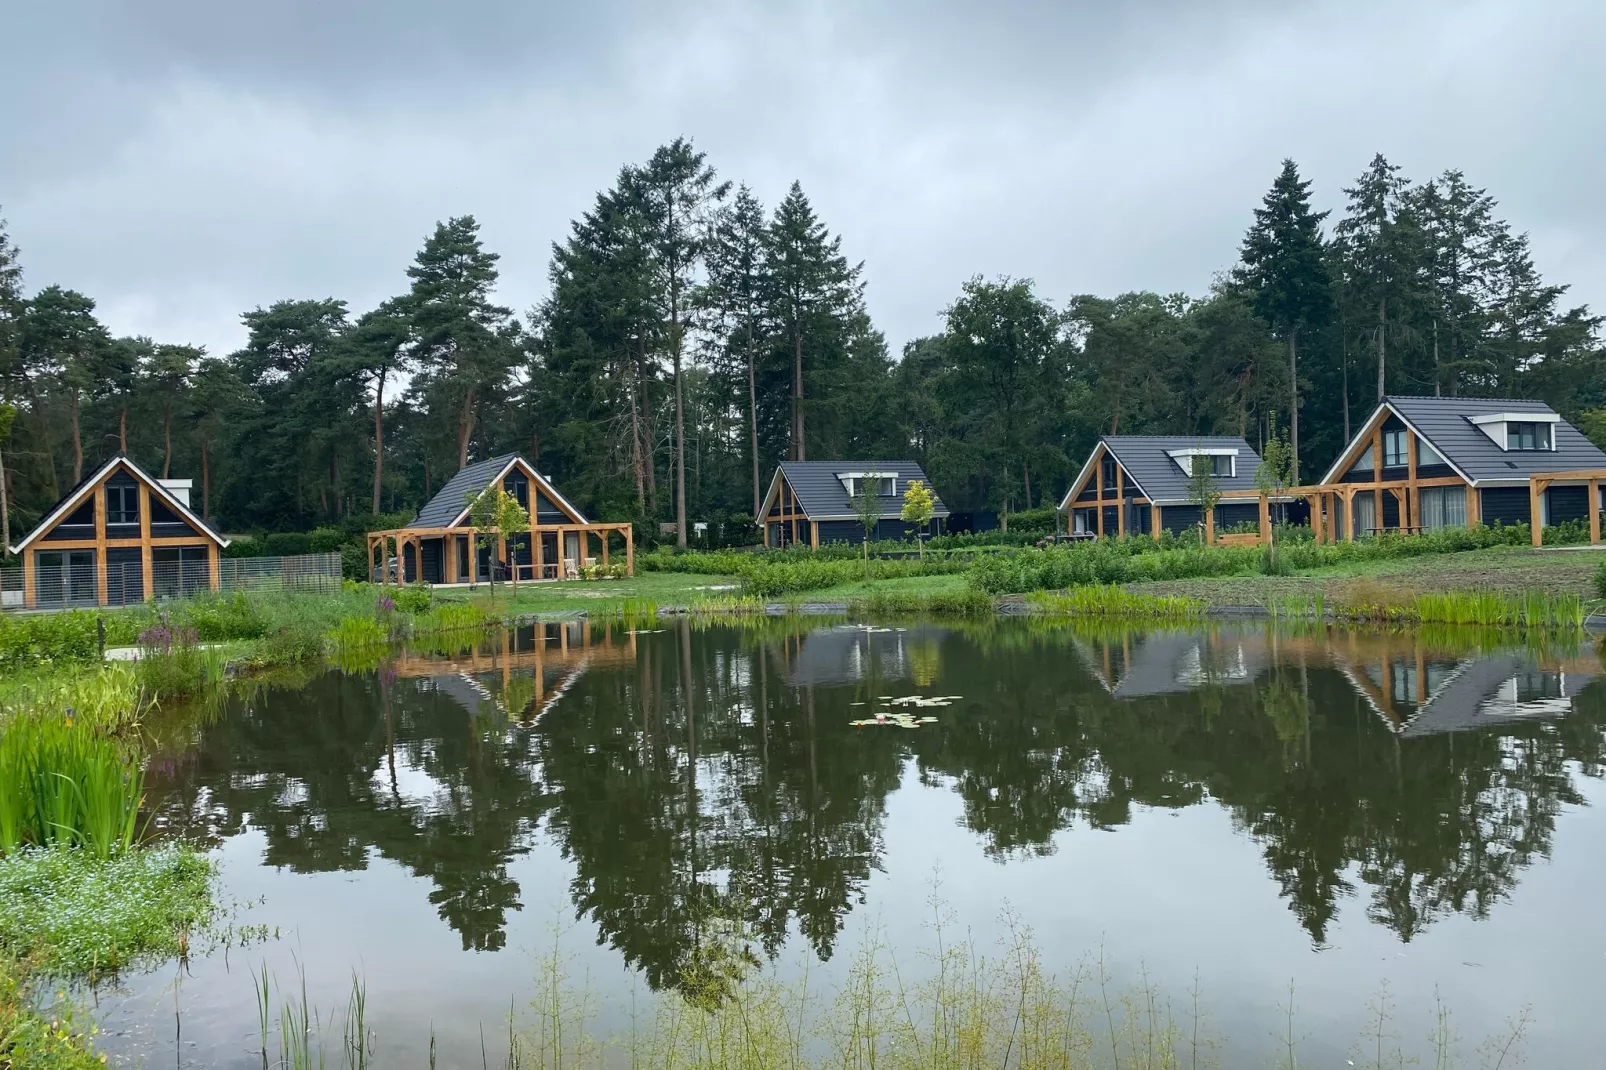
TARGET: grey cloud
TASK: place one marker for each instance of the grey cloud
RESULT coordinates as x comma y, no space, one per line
183,161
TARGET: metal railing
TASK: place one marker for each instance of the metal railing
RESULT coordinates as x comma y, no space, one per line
76,586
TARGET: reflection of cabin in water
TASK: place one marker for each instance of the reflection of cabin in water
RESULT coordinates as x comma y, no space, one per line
850,653
1162,663
1418,693
552,655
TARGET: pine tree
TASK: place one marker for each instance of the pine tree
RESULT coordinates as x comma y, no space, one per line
1283,273
679,195
813,298
169,372
61,340
1459,232
376,349
737,281
463,343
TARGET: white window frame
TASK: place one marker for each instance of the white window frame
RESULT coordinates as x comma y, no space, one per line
1184,458
1493,424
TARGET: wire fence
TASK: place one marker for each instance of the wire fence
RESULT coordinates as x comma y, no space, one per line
76,584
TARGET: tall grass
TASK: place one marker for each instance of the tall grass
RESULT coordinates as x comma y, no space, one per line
1112,601
1531,611
64,784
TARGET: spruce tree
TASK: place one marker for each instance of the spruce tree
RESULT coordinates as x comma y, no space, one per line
1283,273
463,342
813,298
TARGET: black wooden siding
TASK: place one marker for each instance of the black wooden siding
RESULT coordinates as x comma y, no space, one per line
1505,505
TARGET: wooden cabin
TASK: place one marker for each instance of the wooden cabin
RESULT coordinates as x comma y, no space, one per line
120,537
1139,485
811,502
441,545
1422,463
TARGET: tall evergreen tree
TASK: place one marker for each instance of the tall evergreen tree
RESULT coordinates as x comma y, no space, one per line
170,369
738,278
679,195
1380,243
1283,273
463,342
376,349
61,339
813,298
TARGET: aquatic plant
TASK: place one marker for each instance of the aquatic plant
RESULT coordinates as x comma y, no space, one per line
76,914
358,633
966,602
65,784
1113,601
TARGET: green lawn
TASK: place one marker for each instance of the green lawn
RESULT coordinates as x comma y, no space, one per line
1510,570
601,596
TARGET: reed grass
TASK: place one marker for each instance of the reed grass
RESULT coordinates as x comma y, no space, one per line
966,602
357,633
1531,611
1113,601
65,784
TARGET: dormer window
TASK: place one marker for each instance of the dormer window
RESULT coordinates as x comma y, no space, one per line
1519,430
1221,463
1528,436
879,484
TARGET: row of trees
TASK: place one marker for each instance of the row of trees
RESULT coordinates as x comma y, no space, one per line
691,338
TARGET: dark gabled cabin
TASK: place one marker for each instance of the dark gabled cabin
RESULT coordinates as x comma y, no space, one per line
1139,485
441,544
1420,463
119,537
811,502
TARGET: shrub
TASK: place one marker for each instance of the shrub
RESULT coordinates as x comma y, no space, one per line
69,636
413,598
220,617
291,644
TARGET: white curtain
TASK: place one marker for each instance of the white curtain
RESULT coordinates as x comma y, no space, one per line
1444,507
1365,513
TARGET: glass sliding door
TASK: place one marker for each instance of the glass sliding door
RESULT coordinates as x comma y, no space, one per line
64,578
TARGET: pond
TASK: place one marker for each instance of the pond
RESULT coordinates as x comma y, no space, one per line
1229,806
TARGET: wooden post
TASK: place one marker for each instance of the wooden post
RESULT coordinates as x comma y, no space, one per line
98,497
1415,492
1536,516
29,596
1377,479
214,565
1594,512
630,550
538,552
146,554
814,534
1120,498
1154,521
603,536
1474,514
1349,516
1099,526
1265,519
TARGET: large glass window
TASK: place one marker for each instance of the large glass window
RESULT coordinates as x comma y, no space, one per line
122,505
1394,455
1443,507
1108,465
1523,436
1365,514
64,577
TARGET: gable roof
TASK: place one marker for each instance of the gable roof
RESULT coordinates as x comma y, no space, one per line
822,495
447,508
80,490
1447,426
1147,461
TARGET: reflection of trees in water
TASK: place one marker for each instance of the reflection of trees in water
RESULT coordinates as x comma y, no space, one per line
699,787
311,770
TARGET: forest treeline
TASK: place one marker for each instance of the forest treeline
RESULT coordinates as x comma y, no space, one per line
691,337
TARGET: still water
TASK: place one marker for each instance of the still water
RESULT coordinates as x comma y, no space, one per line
1336,810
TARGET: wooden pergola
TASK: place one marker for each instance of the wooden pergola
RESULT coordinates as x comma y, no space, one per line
382,545
1540,482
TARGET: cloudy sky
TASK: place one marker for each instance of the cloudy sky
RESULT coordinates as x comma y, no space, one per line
184,160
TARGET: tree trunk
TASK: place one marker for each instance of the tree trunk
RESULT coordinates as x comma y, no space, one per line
799,446
379,435
636,450
206,482
680,443
752,420
650,459
1293,408
1382,347
465,428
167,438
5,509
1346,381
334,484
77,441
122,430
1026,474
1436,376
